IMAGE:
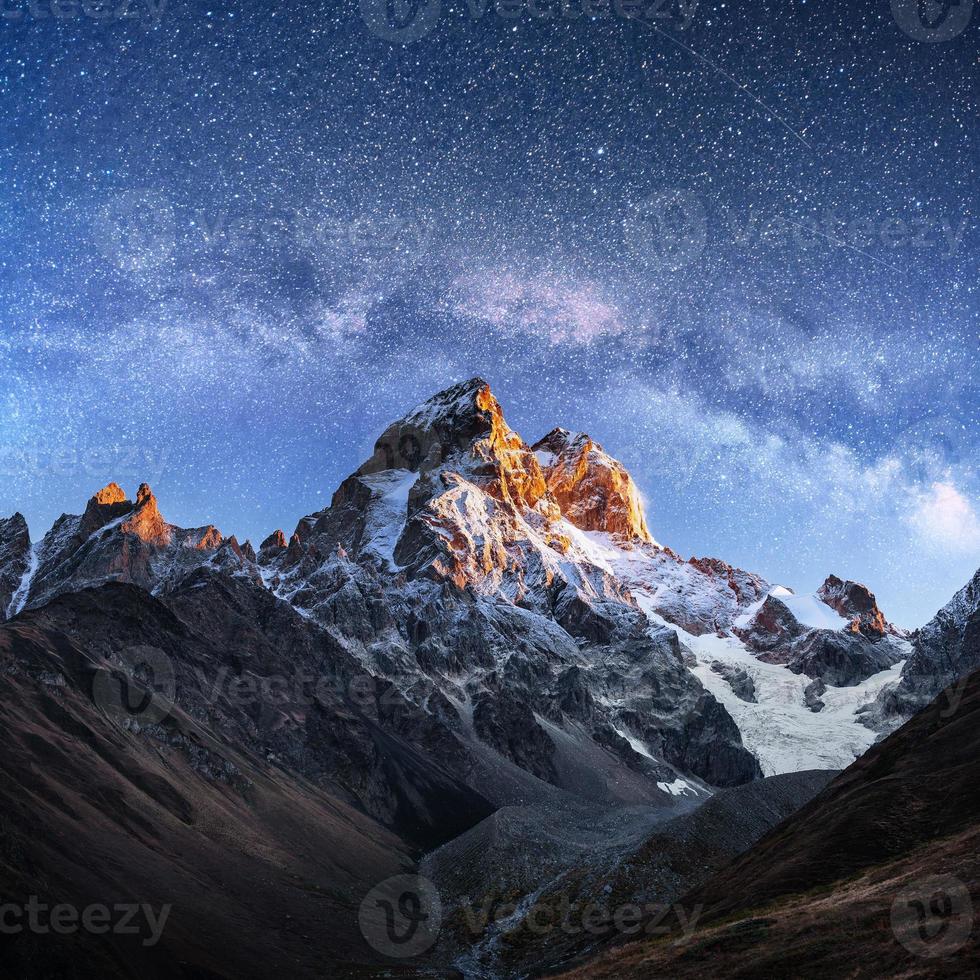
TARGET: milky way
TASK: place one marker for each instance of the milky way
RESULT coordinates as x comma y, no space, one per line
737,243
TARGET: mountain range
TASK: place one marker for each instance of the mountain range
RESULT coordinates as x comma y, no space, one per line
477,665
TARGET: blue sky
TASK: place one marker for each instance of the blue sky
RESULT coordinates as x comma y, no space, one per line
741,250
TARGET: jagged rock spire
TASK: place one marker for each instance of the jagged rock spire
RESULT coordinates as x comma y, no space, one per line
593,490
104,506
147,522
857,603
111,493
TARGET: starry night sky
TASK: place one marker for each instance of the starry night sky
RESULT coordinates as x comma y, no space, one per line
737,243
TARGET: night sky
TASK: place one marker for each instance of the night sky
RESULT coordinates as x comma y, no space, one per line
737,243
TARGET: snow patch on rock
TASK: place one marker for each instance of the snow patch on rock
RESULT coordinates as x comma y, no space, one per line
813,612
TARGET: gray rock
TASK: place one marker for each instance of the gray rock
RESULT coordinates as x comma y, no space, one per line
15,547
944,652
738,679
813,693
842,658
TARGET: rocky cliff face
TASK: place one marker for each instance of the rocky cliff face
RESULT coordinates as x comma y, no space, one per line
857,604
116,539
462,429
838,636
945,651
593,491
484,564
772,627
15,559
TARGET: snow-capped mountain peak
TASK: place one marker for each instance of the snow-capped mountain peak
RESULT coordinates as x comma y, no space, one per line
515,595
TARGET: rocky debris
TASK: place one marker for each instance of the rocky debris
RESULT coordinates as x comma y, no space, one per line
944,652
576,859
857,604
740,682
15,559
813,693
593,490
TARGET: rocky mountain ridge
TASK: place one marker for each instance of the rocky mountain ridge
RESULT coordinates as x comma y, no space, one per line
514,593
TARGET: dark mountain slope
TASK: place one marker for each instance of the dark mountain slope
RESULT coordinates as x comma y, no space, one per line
93,813
249,667
576,859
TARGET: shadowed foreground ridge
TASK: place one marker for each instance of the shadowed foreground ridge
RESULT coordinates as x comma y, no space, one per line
828,891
